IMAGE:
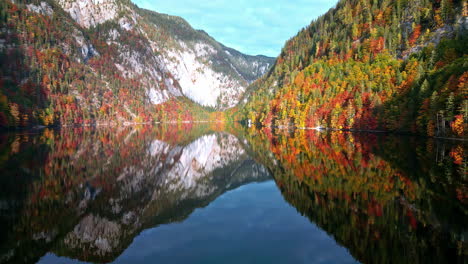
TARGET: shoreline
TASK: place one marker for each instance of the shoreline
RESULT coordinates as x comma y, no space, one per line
128,124
101,124
319,129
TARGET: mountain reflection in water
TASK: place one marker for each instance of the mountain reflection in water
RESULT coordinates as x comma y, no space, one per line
130,195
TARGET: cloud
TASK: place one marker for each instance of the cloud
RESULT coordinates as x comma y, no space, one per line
250,26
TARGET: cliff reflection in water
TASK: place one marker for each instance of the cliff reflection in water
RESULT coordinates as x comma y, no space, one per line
87,193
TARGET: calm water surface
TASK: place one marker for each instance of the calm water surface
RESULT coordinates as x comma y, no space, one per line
205,194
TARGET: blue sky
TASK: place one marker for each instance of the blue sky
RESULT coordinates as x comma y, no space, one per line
250,26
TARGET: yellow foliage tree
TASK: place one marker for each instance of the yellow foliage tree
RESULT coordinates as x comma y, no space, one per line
458,126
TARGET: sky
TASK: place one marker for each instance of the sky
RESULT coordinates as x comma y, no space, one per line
250,26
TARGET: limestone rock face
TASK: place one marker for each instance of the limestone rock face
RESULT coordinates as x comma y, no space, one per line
172,58
88,13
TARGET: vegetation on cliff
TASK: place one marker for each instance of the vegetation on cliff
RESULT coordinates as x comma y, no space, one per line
372,64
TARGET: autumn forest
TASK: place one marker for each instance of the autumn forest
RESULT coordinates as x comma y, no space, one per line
128,136
364,65
372,65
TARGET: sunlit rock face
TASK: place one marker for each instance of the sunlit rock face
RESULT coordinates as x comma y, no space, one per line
88,13
199,81
166,54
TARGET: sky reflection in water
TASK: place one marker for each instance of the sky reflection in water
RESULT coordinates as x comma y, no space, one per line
198,194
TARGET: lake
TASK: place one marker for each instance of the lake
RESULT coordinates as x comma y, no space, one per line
217,193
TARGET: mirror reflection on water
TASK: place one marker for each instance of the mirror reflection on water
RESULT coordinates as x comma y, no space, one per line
214,194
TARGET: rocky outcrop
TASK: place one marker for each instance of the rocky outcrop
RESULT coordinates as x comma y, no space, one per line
184,62
88,13
43,9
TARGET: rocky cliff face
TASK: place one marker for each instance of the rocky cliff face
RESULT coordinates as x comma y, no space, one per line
112,61
191,62
89,13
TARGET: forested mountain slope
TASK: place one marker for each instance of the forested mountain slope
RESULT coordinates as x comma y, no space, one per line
372,64
101,61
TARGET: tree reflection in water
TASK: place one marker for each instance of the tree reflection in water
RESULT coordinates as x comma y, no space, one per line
387,199
85,193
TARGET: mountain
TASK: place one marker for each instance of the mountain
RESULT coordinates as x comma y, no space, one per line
107,61
371,65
